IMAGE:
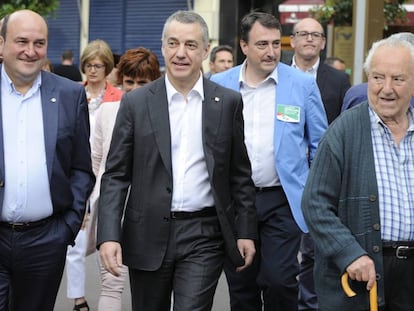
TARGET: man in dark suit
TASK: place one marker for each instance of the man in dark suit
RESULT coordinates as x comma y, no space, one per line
308,39
178,143
45,166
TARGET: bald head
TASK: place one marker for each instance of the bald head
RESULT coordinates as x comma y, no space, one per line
23,45
308,24
22,17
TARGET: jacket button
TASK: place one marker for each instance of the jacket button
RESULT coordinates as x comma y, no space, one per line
376,249
1,183
376,227
168,189
372,197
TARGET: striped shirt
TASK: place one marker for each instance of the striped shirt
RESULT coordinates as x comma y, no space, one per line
394,166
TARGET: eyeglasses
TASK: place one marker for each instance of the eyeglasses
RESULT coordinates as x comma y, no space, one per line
94,66
314,35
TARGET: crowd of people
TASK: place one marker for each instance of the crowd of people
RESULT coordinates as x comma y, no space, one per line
263,170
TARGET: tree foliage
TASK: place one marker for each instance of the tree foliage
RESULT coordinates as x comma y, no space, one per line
43,7
340,12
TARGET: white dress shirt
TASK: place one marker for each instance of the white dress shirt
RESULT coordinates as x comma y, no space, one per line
191,186
259,113
312,71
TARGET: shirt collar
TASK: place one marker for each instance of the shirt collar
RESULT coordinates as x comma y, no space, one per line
313,70
7,83
198,88
273,75
375,119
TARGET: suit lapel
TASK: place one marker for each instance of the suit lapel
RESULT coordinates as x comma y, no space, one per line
283,97
50,109
211,118
159,115
321,77
2,172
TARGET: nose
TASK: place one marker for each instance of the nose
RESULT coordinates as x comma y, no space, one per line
30,51
309,37
387,86
181,51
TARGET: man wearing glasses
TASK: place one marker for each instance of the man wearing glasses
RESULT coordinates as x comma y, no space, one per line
284,121
308,40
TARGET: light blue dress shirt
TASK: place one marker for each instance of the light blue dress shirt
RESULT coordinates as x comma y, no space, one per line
27,192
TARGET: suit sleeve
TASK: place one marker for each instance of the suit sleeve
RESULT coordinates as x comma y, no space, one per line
81,175
241,184
117,177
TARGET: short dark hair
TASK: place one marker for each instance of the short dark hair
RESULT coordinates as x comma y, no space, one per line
219,48
67,55
265,19
332,59
3,30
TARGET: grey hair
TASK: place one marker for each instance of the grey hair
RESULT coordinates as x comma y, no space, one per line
405,36
188,17
392,42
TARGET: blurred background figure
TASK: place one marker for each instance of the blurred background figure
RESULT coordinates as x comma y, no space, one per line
221,58
66,68
136,68
96,63
336,63
113,77
47,66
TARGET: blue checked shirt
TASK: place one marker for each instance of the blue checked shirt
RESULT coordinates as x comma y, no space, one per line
394,166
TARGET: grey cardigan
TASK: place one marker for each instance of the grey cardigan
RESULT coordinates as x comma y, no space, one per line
340,205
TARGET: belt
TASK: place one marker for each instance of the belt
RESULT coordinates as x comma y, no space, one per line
266,189
399,249
205,212
22,226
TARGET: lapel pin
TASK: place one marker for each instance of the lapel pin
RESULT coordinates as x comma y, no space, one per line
53,100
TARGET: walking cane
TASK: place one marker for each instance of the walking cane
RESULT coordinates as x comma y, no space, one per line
373,304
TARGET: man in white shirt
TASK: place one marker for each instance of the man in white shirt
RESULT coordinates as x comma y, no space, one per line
179,143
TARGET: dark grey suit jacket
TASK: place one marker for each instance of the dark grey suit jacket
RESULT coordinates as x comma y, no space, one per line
333,85
140,157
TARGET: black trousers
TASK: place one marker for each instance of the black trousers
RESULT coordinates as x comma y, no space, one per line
272,277
308,300
190,270
398,283
31,265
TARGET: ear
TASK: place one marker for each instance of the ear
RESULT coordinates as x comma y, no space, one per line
244,46
1,45
292,41
163,50
206,52
323,43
